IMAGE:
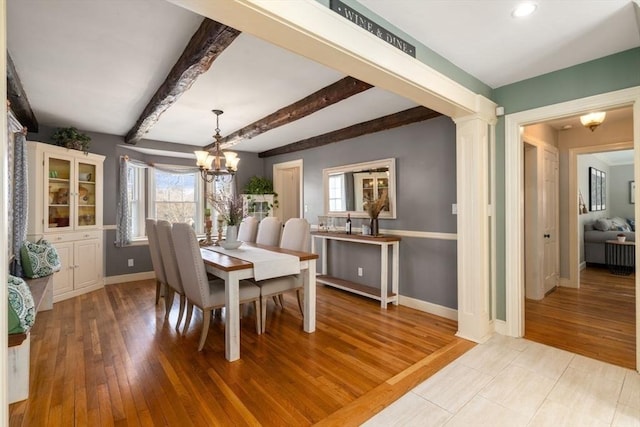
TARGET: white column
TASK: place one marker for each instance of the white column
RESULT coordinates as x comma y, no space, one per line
474,244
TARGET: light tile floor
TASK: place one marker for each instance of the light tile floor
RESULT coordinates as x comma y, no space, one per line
514,382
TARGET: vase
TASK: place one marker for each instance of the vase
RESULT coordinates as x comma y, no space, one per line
232,233
373,225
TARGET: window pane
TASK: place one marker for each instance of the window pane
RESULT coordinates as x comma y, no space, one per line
178,198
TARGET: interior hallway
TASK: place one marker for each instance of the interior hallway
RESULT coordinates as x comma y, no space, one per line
515,382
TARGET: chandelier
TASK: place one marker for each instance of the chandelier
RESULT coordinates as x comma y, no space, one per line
210,162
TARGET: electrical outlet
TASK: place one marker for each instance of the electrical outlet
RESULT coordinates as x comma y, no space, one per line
130,262
360,271
454,209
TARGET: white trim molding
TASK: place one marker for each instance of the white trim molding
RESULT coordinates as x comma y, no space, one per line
514,206
429,307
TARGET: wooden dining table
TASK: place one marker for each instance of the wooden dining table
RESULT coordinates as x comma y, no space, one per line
233,269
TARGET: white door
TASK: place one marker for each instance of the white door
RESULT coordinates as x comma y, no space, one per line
87,263
550,218
287,183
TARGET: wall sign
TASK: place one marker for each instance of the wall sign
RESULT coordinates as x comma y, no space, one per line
375,29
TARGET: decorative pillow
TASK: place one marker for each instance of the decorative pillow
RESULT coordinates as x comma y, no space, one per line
619,224
21,303
39,259
602,224
632,223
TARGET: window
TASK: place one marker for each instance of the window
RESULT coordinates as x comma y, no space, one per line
136,198
337,193
170,193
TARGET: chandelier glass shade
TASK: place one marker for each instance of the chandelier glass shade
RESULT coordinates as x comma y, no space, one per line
593,120
210,162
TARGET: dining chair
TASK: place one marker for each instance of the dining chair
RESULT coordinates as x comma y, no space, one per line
295,236
174,282
156,258
205,294
248,229
269,231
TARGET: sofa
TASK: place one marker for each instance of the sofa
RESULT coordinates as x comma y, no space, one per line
601,230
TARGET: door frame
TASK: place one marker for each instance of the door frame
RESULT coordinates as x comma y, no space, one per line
277,169
514,209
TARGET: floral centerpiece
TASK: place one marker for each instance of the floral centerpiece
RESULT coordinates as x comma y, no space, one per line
229,208
373,208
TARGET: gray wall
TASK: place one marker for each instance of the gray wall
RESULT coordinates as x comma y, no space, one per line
619,178
426,189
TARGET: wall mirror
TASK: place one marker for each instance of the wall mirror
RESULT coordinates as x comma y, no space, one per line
347,187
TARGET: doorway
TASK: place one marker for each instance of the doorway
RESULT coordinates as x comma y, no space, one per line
287,183
514,208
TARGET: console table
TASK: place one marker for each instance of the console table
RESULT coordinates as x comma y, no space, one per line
620,257
382,294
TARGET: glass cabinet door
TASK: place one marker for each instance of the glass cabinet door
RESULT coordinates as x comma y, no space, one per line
59,172
86,192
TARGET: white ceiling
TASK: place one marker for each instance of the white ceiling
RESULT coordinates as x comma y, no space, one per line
95,64
482,38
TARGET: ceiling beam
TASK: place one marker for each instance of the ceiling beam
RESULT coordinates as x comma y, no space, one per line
329,95
412,115
18,98
206,44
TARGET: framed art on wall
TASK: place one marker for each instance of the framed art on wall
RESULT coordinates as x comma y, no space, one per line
597,189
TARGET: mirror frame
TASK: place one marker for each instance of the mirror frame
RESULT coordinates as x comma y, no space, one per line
358,167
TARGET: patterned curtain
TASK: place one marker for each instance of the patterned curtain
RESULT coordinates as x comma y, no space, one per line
20,199
123,229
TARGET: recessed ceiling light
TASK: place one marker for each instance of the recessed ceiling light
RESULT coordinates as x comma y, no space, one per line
524,9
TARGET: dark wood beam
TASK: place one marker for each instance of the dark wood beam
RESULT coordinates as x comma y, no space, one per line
206,44
412,115
18,98
336,92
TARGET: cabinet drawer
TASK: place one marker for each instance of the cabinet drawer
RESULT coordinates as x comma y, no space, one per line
71,237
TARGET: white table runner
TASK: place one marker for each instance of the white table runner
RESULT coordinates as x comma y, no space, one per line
266,264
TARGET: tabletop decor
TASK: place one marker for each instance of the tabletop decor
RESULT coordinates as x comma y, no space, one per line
230,209
373,208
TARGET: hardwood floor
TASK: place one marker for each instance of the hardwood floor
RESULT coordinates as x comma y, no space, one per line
107,358
597,320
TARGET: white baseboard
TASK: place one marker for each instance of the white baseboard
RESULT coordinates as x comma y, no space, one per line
583,265
500,326
428,307
133,277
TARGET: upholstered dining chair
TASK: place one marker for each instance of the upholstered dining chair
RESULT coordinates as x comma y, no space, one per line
248,229
174,282
156,258
269,231
202,293
295,236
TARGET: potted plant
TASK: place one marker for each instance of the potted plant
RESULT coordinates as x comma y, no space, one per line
259,185
72,138
621,237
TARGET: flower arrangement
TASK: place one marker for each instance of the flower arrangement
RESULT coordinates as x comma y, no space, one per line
375,206
229,208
